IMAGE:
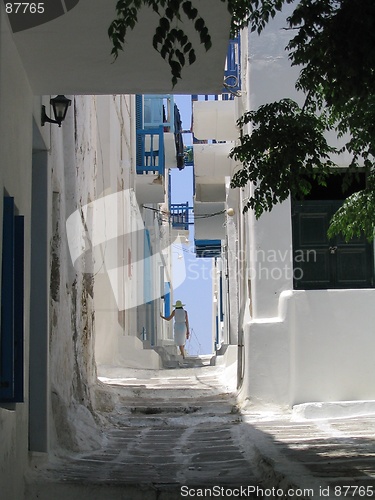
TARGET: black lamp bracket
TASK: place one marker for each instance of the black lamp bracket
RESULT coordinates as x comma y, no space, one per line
47,119
60,105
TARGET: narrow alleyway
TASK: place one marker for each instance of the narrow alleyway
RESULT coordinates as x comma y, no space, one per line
178,433
167,429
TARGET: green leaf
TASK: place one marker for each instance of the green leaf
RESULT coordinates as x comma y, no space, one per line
164,24
199,24
169,13
181,57
156,41
192,56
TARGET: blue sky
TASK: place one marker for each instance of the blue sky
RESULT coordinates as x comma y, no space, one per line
196,290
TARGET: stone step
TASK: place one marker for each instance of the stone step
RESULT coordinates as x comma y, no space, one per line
154,444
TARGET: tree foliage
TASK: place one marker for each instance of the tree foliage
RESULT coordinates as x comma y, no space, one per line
357,214
334,44
276,164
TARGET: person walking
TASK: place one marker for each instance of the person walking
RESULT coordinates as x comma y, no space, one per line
181,325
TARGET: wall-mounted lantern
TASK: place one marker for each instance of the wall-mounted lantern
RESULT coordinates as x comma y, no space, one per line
60,105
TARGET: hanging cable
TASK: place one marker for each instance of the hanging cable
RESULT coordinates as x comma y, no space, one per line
195,217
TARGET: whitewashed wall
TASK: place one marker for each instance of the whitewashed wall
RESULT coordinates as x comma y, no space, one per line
73,165
118,283
16,104
318,348
298,346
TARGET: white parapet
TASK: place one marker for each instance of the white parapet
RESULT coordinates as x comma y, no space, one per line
215,120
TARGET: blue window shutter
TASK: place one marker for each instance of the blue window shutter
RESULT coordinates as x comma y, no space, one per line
19,309
12,306
7,303
138,126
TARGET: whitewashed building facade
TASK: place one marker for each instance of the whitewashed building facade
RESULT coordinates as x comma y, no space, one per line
56,301
302,306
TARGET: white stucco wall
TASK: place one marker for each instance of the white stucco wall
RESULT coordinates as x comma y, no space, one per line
16,104
270,267
318,348
72,163
334,344
270,74
71,54
298,346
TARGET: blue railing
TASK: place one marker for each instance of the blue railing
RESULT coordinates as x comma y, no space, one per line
208,248
179,213
150,151
232,74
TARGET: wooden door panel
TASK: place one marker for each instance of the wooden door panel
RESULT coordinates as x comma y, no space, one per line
332,263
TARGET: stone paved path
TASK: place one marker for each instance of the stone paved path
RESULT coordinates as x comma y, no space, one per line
176,434
322,458
177,429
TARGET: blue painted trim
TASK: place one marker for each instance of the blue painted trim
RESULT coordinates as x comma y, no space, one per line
19,309
152,159
233,69
217,332
179,213
221,297
208,242
12,306
7,304
167,298
147,271
208,248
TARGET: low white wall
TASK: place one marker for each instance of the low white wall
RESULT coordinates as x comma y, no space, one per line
131,354
266,363
320,347
334,345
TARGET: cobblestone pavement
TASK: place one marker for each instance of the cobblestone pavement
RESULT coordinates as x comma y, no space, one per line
169,436
322,458
179,433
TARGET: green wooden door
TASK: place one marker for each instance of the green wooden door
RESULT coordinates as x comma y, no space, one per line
320,263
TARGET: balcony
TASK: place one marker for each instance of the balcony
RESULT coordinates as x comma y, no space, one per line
232,75
208,248
159,145
209,220
215,133
216,120
69,51
211,167
155,111
180,220
179,213
150,151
